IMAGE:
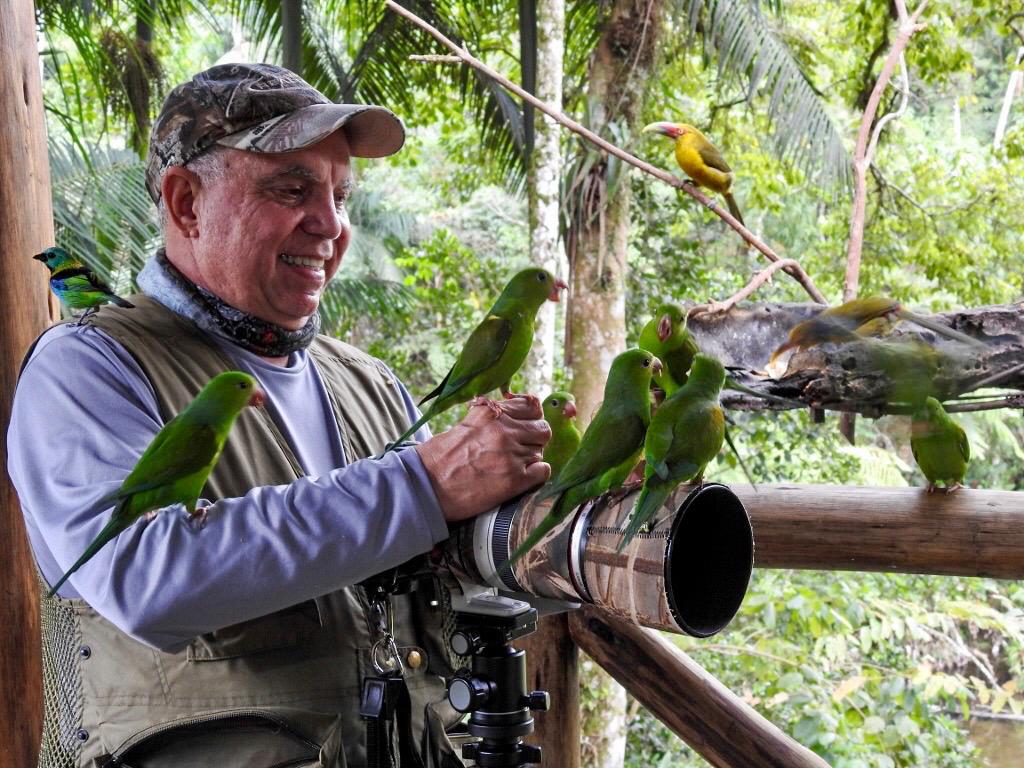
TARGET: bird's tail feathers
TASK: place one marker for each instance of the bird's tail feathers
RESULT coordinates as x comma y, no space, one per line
939,328
739,459
408,433
731,383
734,209
121,302
651,498
109,531
551,519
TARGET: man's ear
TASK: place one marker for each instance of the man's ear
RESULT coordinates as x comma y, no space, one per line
180,188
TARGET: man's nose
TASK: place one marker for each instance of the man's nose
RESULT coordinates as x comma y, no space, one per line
325,217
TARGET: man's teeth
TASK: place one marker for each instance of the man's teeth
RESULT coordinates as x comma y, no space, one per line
302,261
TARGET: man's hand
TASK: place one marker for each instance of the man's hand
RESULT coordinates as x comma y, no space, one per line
492,455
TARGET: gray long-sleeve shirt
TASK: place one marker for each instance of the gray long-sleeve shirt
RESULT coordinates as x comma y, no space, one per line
83,414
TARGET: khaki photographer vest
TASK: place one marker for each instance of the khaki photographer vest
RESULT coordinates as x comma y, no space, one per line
281,690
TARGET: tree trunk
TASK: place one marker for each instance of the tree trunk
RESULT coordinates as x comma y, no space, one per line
26,227
544,174
291,35
550,652
618,73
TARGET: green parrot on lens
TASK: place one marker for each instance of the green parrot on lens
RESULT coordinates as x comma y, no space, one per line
940,446
174,467
610,447
685,434
496,348
559,413
665,335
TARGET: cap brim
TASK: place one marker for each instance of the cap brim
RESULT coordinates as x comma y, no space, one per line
371,131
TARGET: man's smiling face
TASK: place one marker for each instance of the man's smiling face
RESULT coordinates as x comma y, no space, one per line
272,229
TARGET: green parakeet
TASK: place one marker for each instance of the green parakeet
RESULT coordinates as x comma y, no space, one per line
559,412
174,467
610,447
496,349
685,434
665,336
940,446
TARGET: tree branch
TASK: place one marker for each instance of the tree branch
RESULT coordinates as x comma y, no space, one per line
867,140
717,307
559,117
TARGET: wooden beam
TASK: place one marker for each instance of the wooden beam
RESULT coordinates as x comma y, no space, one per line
552,665
836,527
721,727
26,227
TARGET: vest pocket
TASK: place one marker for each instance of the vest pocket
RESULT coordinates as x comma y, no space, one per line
250,738
284,629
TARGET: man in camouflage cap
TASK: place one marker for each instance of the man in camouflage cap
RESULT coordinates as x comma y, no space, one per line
245,642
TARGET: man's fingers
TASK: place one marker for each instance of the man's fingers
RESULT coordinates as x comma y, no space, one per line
536,473
522,407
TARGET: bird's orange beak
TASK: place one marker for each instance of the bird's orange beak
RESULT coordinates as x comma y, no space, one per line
665,129
556,289
258,398
657,366
664,327
569,411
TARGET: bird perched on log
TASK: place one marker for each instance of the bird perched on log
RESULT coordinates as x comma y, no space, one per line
700,160
559,413
496,348
610,447
940,446
685,434
666,337
844,322
174,467
77,286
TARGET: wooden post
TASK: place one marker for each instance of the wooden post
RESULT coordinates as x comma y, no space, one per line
26,227
552,665
836,527
721,727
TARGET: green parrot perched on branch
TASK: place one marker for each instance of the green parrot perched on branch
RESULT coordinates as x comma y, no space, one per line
700,160
559,412
496,348
174,467
610,446
842,323
685,434
940,446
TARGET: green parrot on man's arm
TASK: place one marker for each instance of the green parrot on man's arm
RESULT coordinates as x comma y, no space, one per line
685,434
559,412
174,467
496,348
940,446
610,446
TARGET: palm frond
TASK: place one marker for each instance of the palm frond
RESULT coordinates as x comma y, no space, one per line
747,48
101,209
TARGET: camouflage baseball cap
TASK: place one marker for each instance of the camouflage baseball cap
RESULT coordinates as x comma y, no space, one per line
259,108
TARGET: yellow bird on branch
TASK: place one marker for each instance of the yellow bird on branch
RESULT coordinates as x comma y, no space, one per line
700,160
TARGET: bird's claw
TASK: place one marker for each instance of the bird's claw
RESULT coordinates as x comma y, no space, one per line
953,487
198,517
481,400
618,494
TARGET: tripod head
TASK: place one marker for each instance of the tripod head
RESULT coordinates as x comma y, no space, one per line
493,688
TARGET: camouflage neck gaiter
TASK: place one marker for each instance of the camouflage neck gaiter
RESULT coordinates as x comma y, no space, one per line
162,281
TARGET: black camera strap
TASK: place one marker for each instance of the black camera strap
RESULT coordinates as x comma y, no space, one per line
386,704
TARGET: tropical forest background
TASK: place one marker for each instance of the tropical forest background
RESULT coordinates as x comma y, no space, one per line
865,669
